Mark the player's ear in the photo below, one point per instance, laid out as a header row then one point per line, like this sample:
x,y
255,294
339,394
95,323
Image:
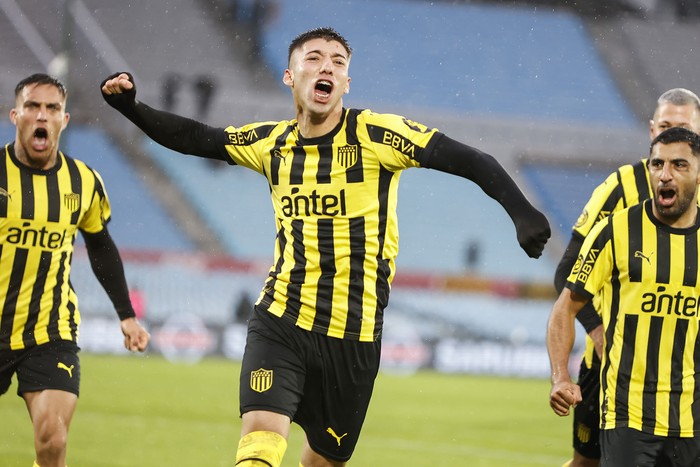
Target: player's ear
x,y
66,119
13,116
287,78
347,87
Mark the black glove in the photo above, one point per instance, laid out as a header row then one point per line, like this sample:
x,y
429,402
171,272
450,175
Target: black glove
x,y
533,231
127,98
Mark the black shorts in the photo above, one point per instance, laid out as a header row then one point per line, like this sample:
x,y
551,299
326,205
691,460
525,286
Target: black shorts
x,y
627,447
322,383
587,412
54,365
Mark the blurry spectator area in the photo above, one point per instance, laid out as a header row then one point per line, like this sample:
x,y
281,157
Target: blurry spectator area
x,y
138,221
565,187
462,58
233,201
208,286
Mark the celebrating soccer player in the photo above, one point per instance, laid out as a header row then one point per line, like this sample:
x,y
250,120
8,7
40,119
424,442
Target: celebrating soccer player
x,y
313,347
46,197
625,187
641,263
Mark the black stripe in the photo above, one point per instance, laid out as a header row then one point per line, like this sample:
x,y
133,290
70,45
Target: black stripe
x,y
663,256
269,288
11,295
325,163
324,287
382,284
610,203
53,198
634,218
296,175
651,374
355,173
276,156
53,321
610,331
35,302
27,187
76,186
356,290
676,377
640,177
298,272
690,271
622,384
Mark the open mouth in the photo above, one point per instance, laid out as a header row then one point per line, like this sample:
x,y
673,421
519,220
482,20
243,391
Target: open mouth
x,y
667,196
41,138
323,88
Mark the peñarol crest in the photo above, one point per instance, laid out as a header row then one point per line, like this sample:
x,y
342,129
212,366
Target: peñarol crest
x,y
71,201
261,380
347,156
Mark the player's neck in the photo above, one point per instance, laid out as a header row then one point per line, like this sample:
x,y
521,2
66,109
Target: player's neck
x,y
685,220
315,125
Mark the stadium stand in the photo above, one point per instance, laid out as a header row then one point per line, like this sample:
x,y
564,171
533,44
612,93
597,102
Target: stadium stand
x,y
535,87
463,58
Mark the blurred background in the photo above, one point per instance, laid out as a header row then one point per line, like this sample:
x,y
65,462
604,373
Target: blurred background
x,y
560,92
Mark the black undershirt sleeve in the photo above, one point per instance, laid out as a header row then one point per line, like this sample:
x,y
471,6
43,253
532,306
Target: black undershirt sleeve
x,y
587,316
178,133
457,158
107,266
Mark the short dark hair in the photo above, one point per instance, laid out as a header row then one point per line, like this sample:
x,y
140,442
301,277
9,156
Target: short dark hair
x,y
327,33
41,78
678,135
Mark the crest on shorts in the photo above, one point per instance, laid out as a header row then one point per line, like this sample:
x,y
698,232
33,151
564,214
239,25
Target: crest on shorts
x,y
583,433
71,201
260,380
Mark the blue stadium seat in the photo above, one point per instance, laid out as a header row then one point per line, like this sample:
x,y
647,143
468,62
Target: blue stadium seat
x,y
461,58
566,189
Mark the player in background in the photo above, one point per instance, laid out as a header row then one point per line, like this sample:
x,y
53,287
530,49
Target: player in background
x,y
625,187
314,339
642,265
46,198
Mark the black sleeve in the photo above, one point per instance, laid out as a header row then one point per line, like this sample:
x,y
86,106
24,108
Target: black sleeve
x,y
587,316
456,158
178,133
107,265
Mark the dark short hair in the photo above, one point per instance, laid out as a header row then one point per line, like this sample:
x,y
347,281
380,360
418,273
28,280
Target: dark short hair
x,y
678,135
41,78
329,34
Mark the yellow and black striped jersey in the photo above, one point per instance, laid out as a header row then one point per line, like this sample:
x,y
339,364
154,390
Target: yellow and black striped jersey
x,y
334,200
625,187
645,274
40,214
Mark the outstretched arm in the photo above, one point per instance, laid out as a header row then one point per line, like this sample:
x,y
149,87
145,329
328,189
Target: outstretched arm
x,y
453,157
107,266
172,131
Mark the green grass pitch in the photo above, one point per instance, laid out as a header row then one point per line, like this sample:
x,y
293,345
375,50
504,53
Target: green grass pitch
x,y
146,411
